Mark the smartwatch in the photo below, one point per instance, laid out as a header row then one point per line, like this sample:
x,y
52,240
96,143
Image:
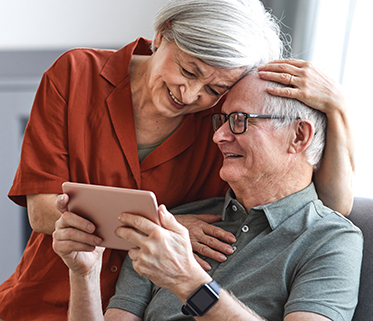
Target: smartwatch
x,y
202,300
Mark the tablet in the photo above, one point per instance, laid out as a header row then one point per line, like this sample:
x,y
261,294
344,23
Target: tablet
x,y
102,205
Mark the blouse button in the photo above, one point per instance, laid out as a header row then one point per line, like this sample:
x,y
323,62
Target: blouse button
x,y
114,268
245,228
234,208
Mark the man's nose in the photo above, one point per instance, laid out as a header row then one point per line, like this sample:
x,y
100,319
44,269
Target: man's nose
x,y
190,92
223,134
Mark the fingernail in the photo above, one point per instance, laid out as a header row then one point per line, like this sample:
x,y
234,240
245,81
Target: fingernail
x,y
229,250
232,239
222,258
90,228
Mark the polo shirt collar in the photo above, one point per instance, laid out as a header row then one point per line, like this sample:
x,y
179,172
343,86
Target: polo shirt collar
x,y
276,212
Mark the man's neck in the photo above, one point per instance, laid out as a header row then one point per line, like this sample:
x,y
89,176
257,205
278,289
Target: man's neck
x,y
267,191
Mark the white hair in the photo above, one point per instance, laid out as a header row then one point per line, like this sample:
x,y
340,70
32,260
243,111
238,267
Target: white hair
x,y
292,109
222,33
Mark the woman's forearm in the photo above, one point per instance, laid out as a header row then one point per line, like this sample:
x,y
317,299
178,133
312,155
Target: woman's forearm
x,y
42,212
334,177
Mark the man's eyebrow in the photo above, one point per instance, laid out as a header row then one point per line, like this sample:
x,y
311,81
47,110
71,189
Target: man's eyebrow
x,y
226,87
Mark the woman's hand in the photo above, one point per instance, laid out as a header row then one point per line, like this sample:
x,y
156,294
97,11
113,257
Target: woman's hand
x,y
74,242
205,237
306,83
334,177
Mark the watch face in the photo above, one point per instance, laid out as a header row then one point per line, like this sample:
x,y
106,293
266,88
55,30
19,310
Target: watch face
x,y
202,300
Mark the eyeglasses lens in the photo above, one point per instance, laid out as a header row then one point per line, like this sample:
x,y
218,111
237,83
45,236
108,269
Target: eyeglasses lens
x,y
237,122
217,121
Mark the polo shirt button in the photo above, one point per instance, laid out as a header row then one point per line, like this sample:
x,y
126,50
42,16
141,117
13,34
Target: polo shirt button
x,y
234,208
234,248
114,268
245,228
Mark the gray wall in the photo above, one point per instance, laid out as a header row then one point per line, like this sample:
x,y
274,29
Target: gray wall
x,y
298,19
19,78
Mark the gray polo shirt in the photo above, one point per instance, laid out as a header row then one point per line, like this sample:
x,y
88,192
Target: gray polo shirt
x,y
291,255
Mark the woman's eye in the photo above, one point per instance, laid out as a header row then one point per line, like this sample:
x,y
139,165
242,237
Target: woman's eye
x,y
189,74
214,92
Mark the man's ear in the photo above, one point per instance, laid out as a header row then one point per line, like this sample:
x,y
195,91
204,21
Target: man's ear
x,y
303,135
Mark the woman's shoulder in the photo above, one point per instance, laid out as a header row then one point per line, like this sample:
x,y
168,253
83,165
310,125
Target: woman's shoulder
x,y
79,59
78,67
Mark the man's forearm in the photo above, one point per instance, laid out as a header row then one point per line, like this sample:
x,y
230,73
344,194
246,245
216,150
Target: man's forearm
x,y
85,300
227,308
230,308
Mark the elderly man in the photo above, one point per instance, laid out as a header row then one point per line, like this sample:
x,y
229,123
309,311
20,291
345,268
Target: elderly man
x,y
294,259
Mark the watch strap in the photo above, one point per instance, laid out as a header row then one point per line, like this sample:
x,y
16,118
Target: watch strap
x,y
188,311
215,286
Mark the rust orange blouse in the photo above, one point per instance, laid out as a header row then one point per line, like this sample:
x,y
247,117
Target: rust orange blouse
x,y
81,129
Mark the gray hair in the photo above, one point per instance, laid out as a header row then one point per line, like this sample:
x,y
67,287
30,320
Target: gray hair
x,y
222,33
293,108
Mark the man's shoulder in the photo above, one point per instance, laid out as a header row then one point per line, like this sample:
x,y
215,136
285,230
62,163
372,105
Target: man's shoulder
x,y
330,222
208,206
327,214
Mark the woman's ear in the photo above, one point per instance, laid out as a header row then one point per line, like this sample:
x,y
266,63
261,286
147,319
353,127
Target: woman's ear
x,y
157,39
303,135
158,36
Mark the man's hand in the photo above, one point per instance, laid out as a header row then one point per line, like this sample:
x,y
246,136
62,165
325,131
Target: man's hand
x,y
205,237
164,253
74,242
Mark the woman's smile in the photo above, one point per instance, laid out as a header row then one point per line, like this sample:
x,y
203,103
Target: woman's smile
x,y
180,104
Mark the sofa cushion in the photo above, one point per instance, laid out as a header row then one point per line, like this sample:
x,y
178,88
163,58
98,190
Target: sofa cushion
x,y
362,216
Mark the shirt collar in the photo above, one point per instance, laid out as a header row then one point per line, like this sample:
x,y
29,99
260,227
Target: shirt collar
x,y
117,67
276,212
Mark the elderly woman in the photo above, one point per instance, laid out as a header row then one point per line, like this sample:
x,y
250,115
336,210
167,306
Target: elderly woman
x,y
140,118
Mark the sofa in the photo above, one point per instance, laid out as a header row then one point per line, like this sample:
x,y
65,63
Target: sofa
x,y
362,216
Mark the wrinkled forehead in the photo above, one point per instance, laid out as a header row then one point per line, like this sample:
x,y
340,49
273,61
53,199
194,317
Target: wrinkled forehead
x,y
224,77
247,95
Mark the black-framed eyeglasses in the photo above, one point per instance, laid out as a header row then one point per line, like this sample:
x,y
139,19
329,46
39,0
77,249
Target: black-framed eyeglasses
x,y
238,121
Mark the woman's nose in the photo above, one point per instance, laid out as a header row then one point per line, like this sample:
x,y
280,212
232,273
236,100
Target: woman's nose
x,y
190,93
